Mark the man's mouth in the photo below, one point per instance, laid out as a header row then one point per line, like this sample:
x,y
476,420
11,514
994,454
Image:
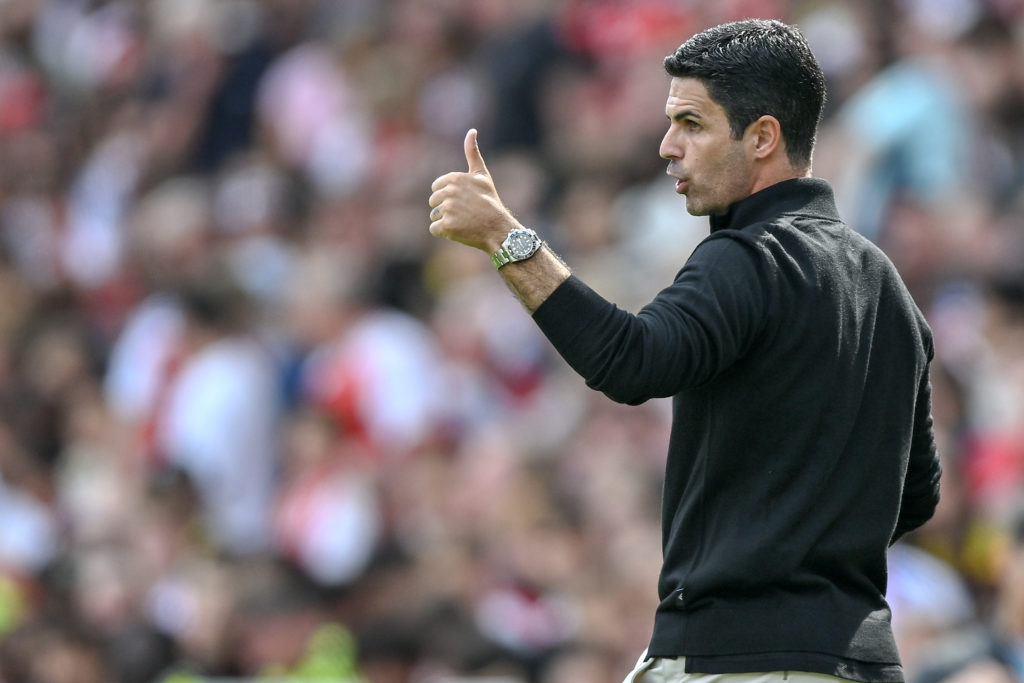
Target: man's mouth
x,y
682,182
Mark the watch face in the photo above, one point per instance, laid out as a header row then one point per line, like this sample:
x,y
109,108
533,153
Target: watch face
x,y
521,244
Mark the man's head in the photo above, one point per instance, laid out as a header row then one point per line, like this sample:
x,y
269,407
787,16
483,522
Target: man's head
x,y
755,68
744,105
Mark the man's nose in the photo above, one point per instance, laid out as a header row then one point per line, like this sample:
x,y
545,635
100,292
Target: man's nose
x,y
669,149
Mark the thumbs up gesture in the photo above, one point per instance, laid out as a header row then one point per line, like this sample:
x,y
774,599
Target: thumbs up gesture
x,y
465,207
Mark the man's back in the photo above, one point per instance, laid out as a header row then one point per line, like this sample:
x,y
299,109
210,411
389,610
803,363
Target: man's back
x,y
798,365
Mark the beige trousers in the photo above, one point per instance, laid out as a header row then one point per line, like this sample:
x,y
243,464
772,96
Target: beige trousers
x,y
659,670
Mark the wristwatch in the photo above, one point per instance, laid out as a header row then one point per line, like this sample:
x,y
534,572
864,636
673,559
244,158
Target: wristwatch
x,y
521,244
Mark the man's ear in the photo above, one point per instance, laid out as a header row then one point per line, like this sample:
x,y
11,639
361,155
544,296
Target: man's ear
x,y
765,137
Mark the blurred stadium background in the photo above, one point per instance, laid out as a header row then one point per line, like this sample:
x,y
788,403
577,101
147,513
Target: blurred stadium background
x,y
255,424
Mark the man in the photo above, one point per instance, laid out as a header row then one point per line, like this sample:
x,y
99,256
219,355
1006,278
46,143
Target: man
x,y
802,442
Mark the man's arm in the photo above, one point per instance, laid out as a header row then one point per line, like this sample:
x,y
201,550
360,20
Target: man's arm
x,y
921,485
534,279
692,330
465,208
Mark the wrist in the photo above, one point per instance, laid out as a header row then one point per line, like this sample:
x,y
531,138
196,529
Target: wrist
x,y
496,237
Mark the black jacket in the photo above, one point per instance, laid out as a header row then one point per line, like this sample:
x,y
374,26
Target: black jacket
x,y
802,442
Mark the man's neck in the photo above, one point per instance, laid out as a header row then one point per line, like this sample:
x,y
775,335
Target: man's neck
x,y
777,173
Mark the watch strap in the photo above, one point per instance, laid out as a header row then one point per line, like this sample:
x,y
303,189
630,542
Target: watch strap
x,y
501,257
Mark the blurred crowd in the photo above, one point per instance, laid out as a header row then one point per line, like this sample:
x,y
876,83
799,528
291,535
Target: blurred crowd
x,y
256,422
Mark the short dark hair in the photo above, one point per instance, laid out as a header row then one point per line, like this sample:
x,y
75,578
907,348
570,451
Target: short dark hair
x,y
756,67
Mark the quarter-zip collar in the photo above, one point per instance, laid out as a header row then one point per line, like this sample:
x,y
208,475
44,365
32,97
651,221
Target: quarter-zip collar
x,y
807,196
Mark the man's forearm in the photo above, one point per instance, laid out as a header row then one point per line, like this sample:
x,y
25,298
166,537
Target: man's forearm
x,y
534,279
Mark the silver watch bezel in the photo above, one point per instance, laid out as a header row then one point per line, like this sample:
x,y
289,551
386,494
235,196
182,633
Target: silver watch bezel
x,y
526,253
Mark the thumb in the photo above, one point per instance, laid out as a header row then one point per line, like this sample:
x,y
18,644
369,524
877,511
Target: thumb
x,y
474,159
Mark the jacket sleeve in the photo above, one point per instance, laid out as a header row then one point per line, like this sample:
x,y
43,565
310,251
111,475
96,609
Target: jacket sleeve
x,y
921,484
692,330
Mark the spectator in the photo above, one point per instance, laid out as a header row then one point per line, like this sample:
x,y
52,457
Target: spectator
x,y
994,651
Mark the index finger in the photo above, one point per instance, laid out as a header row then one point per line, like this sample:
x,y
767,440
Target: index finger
x,y
441,181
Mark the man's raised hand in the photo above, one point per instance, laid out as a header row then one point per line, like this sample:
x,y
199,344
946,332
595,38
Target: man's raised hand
x,y
465,206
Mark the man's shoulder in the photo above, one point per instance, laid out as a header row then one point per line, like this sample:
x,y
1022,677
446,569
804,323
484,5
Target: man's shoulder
x,y
730,246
